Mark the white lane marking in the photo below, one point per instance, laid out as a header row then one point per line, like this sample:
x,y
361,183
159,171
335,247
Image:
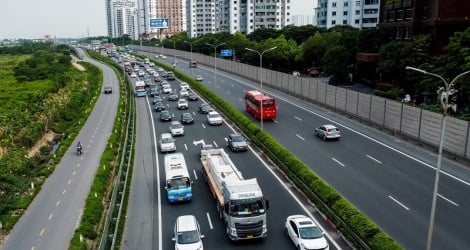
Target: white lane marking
x,y
340,163
195,175
297,118
215,144
354,131
240,99
185,147
300,137
448,200
275,121
399,203
203,126
209,220
372,158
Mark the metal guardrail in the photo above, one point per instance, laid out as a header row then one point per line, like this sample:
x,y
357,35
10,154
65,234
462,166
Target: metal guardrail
x,y
116,204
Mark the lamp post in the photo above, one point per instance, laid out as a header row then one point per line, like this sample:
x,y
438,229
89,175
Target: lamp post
x,y
191,55
444,93
215,61
260,76
174,53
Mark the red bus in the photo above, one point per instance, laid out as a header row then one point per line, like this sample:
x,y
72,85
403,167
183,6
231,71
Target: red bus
x,y
253,99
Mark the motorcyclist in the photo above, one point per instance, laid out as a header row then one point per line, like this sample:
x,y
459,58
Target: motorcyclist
x,y
79,147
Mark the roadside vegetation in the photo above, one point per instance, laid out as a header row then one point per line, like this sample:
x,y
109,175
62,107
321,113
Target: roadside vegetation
x,y
315,51
44,102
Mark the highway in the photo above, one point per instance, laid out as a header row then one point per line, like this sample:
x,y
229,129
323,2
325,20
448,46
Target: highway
x,y
51,219
388,179
150,217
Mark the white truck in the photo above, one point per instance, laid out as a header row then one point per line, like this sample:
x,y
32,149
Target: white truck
x,y
240,201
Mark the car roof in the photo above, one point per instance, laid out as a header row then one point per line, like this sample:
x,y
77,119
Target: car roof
x,y
329,126
213,113
186,223
166,135
302,220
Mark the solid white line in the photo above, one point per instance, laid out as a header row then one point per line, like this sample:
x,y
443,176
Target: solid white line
x,y
209,220
340,163
399,203
357,132
195,175
448,200
159,201
372,158
297,118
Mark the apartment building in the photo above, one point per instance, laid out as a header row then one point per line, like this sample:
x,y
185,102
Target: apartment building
x,y
401,19
356,13
147,9
122,18
211,16
175,11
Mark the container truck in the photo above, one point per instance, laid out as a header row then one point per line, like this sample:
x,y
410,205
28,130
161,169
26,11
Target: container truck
x,y
240,201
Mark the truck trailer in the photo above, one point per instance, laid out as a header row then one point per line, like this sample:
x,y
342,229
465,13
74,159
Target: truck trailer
x,y
240,201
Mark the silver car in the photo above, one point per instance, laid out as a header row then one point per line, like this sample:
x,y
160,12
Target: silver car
x,y
328,131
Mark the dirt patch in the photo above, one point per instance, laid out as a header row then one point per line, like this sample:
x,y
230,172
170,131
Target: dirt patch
x,y
47,140
77,65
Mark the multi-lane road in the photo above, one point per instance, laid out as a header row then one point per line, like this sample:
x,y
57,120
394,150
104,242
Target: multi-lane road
x,y
389,180
150,217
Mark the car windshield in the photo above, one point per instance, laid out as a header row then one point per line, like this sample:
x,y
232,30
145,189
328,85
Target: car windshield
x,y
237,138
180,183
168,140
187,116
214,115
310,233
246,207
176,126
188,237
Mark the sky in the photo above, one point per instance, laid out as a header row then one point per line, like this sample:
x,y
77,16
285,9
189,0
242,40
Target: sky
x,y
30,19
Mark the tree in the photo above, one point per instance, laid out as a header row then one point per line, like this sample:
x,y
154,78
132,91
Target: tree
x,y
261,34
335,63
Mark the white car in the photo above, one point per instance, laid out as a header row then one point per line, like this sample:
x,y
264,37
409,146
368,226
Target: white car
x,y
184,93
214,118
134,75
184,85
199,78
166,89
304,233
327,131
167,143
183,104
187,233
176,128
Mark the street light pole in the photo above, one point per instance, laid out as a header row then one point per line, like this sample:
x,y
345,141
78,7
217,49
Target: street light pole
x,y
190,65
445,93
215,62
174,54
260,69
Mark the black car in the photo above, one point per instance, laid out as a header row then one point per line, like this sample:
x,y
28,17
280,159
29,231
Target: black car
x,y
236,142
165,115
205,108
157,99
164,74
159,106
153,92
187,118
192,96
173,97
108,90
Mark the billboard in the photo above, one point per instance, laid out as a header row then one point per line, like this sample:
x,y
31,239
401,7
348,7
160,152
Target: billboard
x,y
226,52
159,23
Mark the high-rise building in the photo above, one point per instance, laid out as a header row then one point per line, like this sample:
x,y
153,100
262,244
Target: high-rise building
x,y
211,16
122,18
147,9
175,12
440,18
356,13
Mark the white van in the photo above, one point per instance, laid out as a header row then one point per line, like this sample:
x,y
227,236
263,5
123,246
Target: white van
x,y
167,143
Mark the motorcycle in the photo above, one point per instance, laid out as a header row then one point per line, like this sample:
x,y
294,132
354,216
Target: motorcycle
x,y
79,150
